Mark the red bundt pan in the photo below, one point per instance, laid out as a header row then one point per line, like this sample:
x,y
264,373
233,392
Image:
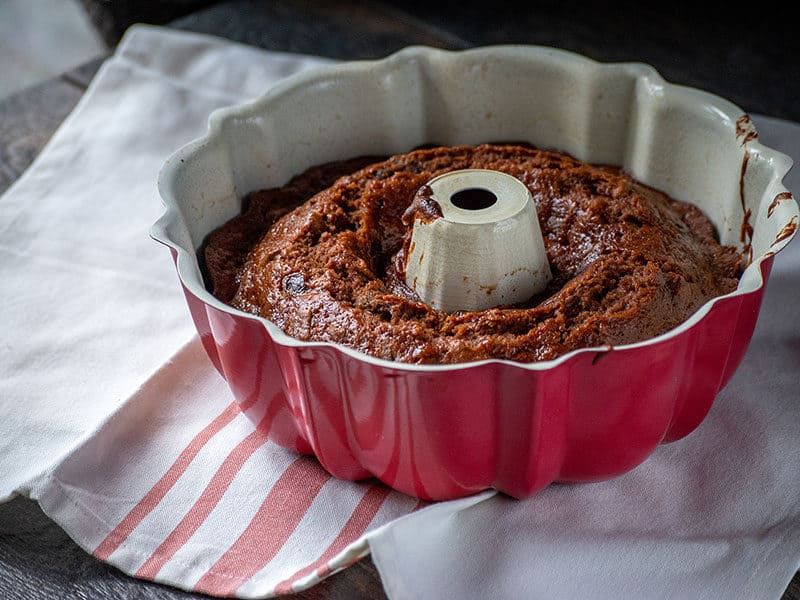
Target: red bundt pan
x,y
445,431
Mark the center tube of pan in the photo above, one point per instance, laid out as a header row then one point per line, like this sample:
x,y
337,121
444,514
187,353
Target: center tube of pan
x,y
476,242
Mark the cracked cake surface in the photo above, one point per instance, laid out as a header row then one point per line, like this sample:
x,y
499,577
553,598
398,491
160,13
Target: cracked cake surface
x,y
322,257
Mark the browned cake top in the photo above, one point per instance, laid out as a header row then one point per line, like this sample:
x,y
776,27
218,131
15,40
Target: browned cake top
x,y
321,258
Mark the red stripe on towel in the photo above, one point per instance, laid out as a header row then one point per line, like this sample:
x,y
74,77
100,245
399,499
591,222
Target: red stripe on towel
x,y
358,522
208,500
145,506
276,519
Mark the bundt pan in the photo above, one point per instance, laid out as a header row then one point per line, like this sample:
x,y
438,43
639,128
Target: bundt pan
x,y
445,431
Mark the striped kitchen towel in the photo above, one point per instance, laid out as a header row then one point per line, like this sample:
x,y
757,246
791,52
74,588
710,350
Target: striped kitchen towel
x,y
181,486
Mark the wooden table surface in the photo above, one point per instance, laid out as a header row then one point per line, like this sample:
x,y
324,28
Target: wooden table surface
x,y
749,58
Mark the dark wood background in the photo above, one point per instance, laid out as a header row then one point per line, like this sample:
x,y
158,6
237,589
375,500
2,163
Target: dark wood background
x,y
748,56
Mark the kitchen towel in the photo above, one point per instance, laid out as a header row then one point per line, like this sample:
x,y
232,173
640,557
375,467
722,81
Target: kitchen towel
x,y
116,423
